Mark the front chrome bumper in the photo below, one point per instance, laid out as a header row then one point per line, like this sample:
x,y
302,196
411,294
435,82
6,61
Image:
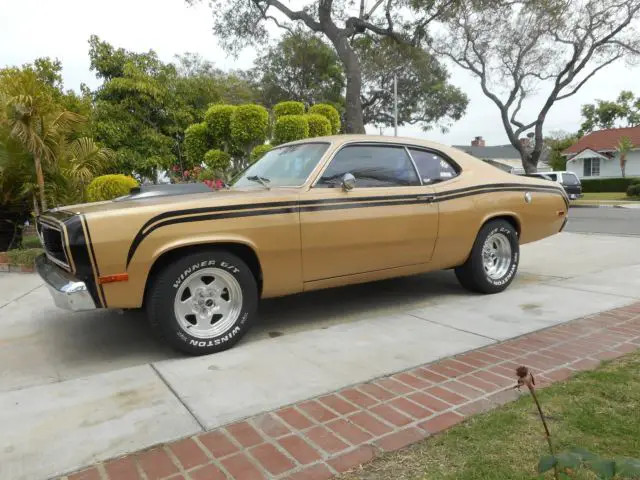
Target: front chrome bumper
x,y
67,292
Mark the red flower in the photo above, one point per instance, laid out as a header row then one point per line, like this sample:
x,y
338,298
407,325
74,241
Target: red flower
x,y
185,174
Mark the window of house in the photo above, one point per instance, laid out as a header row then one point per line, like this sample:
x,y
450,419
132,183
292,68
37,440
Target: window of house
x,y
372,165
591,167
432,167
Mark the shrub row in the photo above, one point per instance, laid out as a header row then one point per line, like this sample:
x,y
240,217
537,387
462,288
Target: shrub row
x,y
597,185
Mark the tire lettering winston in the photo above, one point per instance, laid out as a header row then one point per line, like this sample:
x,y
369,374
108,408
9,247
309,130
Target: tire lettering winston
x,y
217,341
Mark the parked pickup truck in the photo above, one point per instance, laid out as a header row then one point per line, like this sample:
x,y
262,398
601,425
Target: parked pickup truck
x,y
569,181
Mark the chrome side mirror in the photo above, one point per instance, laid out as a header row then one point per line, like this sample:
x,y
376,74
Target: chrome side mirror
x,y
348,182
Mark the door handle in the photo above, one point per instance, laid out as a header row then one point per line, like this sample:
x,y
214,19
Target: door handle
x,y
426,198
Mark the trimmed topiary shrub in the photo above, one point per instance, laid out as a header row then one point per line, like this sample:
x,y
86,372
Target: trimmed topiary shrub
x,y
290,128
288,108
259,152
596,185
217,160
319,126
249,125
108,187
218,120
196,142
330,113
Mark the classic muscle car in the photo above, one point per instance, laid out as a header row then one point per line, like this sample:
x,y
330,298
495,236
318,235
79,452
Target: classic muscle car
x,y
311,214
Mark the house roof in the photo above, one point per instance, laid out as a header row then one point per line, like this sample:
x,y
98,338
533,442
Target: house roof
x,y
604,140
507,152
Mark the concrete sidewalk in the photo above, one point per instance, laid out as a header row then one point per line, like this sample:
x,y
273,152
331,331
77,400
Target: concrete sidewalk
x,y
78,389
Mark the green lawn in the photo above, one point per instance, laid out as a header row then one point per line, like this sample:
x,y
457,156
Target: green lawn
x,y
597,410
612,196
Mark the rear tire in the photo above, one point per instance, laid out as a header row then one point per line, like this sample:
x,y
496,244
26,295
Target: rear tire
x,y
494,258
204,302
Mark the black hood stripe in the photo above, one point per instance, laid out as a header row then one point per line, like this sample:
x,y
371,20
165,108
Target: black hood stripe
x,y
277,208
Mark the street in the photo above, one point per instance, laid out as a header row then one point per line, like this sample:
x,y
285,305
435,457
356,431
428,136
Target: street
x,y
612,221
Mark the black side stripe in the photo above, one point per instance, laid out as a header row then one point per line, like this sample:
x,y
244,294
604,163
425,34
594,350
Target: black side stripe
x,y
254,206
251,210
95,261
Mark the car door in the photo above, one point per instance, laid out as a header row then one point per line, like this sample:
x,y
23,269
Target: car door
x,y
387,220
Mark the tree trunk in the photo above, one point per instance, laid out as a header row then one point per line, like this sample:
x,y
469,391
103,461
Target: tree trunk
x,y
528,163
353,115
40,178
36,208
623,165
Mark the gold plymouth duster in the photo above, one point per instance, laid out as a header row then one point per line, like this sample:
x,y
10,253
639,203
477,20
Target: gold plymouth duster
x,y
311,214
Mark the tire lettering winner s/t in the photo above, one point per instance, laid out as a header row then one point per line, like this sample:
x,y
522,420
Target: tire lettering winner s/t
x,y
203,302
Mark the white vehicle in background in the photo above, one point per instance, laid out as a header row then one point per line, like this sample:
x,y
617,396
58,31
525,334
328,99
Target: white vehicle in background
x,y
569,181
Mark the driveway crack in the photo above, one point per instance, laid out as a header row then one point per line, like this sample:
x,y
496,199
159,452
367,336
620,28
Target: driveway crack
x,y
21,296
453,328
164,380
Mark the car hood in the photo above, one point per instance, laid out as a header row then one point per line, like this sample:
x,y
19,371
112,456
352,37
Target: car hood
x,y
182,201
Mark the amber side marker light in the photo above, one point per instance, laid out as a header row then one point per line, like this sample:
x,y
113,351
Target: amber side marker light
x,y
120,277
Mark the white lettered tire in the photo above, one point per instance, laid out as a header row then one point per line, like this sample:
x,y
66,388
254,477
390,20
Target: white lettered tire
x,y
204,302
494,258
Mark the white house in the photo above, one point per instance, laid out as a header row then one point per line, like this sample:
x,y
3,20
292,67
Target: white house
x,y
594,155
504,157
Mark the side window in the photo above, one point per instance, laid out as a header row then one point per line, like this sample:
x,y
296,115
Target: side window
x,y
373,166
552,176
432,167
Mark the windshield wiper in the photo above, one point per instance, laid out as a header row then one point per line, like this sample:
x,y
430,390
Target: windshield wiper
x,y
264,181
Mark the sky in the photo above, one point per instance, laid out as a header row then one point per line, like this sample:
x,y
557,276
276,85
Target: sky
x,y
36,28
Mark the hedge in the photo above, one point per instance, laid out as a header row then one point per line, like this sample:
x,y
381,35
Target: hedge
x,y
249,125
290,128
596,185
288,108
218,120
217,160
330,113
108,187
319,126
259,152
196,142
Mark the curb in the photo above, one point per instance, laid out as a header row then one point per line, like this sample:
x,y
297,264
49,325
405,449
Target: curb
x,y
320,437
8,268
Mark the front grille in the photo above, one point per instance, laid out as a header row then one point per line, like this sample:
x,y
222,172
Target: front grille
x,y
53,244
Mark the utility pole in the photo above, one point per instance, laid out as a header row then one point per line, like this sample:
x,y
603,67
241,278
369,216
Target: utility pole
x,y
395,104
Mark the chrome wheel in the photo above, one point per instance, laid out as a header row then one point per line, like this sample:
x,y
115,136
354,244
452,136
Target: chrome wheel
x,y
208,303
496,255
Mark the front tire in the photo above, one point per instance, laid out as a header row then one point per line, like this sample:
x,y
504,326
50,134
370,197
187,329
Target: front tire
x,y
494,258
204,302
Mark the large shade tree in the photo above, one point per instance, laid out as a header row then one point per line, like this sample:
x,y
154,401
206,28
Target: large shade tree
x,y
300,67
242,23
516,48
305,68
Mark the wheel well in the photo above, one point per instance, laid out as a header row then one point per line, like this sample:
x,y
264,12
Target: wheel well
x,y
507,218
246,253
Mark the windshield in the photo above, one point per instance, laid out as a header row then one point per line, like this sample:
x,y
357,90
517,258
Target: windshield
x,y
283,166
570,179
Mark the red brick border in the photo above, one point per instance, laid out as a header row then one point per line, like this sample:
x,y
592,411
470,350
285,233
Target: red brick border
x,y
318,438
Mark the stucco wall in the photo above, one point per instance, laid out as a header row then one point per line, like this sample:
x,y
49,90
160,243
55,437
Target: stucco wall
x,y
609,168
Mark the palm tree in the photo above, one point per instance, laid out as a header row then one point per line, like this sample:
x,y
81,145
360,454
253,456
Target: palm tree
x,y
624,146
35,121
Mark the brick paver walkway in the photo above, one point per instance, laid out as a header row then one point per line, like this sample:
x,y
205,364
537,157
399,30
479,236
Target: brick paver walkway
x,y
318,438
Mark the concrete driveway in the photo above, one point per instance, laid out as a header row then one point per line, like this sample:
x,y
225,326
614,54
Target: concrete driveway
x,y
79,388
